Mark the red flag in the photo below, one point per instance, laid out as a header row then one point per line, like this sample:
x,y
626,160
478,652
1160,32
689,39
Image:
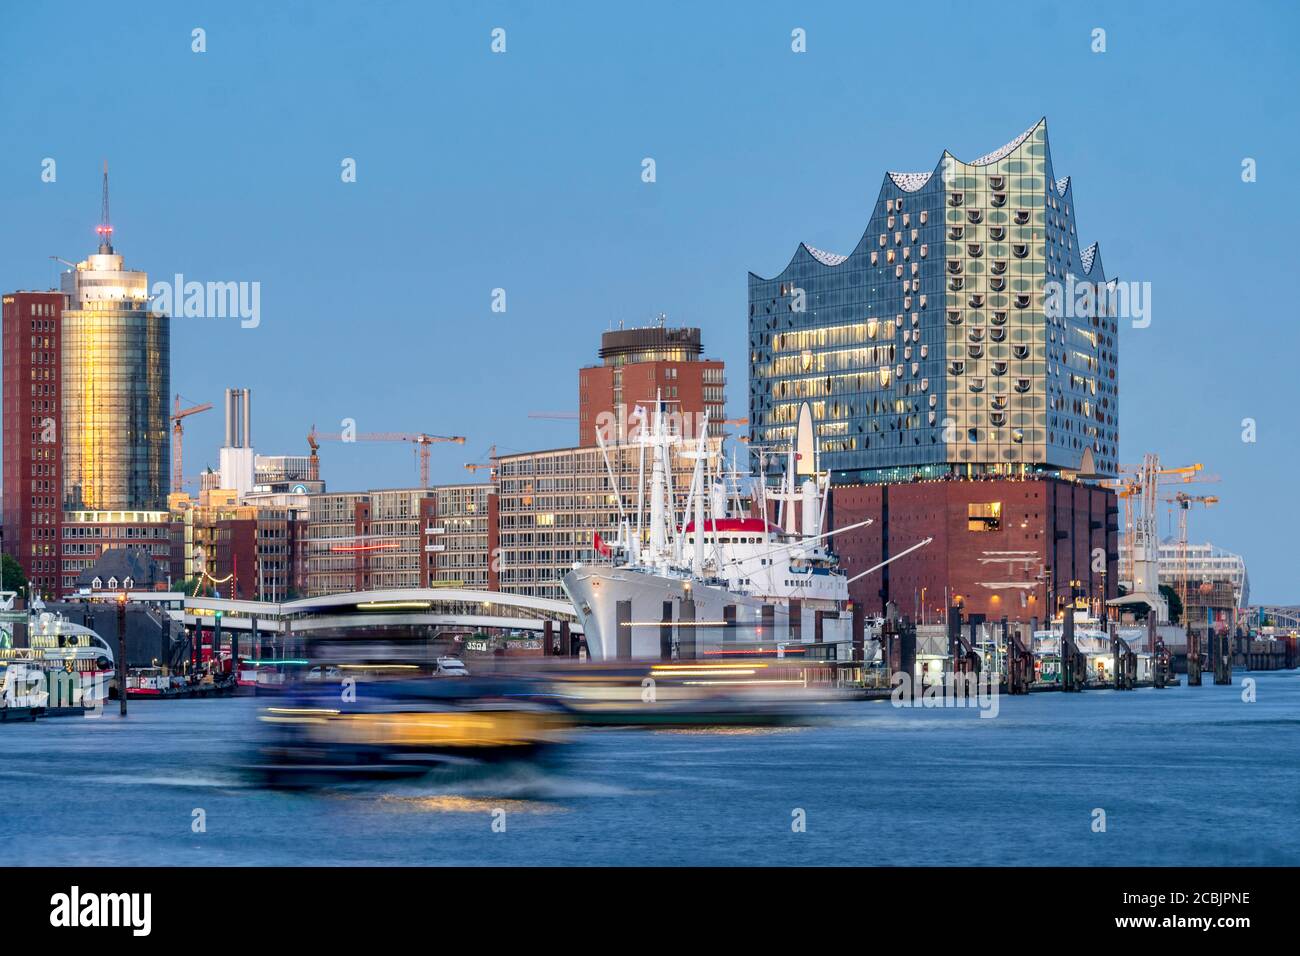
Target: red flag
x,y
601,547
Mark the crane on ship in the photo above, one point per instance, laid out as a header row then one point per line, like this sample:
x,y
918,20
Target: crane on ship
x,y
178,431
421,440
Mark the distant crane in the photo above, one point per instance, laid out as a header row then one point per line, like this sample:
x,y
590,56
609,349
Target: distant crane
x,y
1138,488
1184,502
178,431
421,440
491,463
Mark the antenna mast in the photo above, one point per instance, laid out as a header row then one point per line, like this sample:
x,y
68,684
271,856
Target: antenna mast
x,y
105,229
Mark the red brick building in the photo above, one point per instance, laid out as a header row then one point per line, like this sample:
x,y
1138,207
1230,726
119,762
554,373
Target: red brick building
x,y
637,365
1014,548
33,432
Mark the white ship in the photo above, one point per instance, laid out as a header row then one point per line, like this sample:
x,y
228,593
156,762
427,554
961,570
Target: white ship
x,y
80,661
717,578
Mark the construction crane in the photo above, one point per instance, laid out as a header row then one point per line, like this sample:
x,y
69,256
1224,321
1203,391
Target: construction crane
x,y
1138,487
313,461
421,440
1184,502
178,432
491,463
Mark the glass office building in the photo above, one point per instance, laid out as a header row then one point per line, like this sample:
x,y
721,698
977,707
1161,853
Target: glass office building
x,y
943,344
116,377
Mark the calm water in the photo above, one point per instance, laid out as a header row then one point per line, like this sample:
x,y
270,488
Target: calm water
x,y
1186,776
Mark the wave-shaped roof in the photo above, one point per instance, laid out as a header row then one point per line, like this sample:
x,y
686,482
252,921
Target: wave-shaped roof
x,y
1004,151
1087,256
910,182
825,258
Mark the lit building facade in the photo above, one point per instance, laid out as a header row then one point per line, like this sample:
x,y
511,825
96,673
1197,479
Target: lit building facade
x,y
1002,547
250,552
116,369
329,546
459,527
552,504
1206,564
639,364
935,347
287,474
32,421
400,538
85,535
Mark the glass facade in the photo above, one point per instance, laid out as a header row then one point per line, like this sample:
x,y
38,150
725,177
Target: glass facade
x,y
933,347
116,378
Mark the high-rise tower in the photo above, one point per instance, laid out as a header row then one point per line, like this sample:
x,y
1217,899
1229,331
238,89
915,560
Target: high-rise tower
x,y
116,378
33,435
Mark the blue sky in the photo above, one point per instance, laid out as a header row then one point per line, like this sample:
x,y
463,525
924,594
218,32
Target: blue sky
x,y
522,171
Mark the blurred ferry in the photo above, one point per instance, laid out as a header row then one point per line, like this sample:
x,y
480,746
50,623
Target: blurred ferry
x,y
754,586
387,729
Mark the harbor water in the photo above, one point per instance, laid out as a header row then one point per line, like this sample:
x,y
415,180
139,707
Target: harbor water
x,y
1182,775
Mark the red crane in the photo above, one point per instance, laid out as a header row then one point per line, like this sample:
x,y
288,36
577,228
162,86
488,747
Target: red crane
x,y
177,435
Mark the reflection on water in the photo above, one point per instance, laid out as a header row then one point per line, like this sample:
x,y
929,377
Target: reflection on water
x,y
451,803
729,731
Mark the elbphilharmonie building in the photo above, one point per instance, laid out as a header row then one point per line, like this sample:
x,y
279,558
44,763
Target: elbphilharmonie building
x,y
936,346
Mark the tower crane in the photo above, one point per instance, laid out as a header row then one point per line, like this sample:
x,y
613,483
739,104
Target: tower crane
x,y
178,432
1138,487
491,463
1184,502
421,440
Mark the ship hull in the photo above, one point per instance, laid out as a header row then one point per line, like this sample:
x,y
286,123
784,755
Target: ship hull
x,y
631,614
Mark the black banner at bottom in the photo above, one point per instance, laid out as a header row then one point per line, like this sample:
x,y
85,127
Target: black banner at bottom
x,y
330,906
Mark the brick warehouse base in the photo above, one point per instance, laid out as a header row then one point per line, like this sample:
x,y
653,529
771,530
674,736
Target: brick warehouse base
x,y
1069,528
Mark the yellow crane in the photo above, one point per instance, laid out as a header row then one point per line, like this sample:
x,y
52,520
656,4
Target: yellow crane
x,y
1138,488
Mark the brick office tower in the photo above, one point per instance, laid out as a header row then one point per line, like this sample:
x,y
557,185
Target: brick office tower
x,y
33,433
1019,549
637,365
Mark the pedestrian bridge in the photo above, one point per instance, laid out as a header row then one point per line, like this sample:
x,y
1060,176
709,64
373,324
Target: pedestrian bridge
x,y
451,609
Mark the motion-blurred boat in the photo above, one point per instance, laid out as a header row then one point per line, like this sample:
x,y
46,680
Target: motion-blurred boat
x,y
393,729
727,693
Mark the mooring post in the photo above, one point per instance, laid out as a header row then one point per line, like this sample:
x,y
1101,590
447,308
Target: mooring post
x,y
121,652
859,624
1222,658
686,628
1069,654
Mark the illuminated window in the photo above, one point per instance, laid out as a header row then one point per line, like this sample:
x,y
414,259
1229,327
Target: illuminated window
x,y
984,516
